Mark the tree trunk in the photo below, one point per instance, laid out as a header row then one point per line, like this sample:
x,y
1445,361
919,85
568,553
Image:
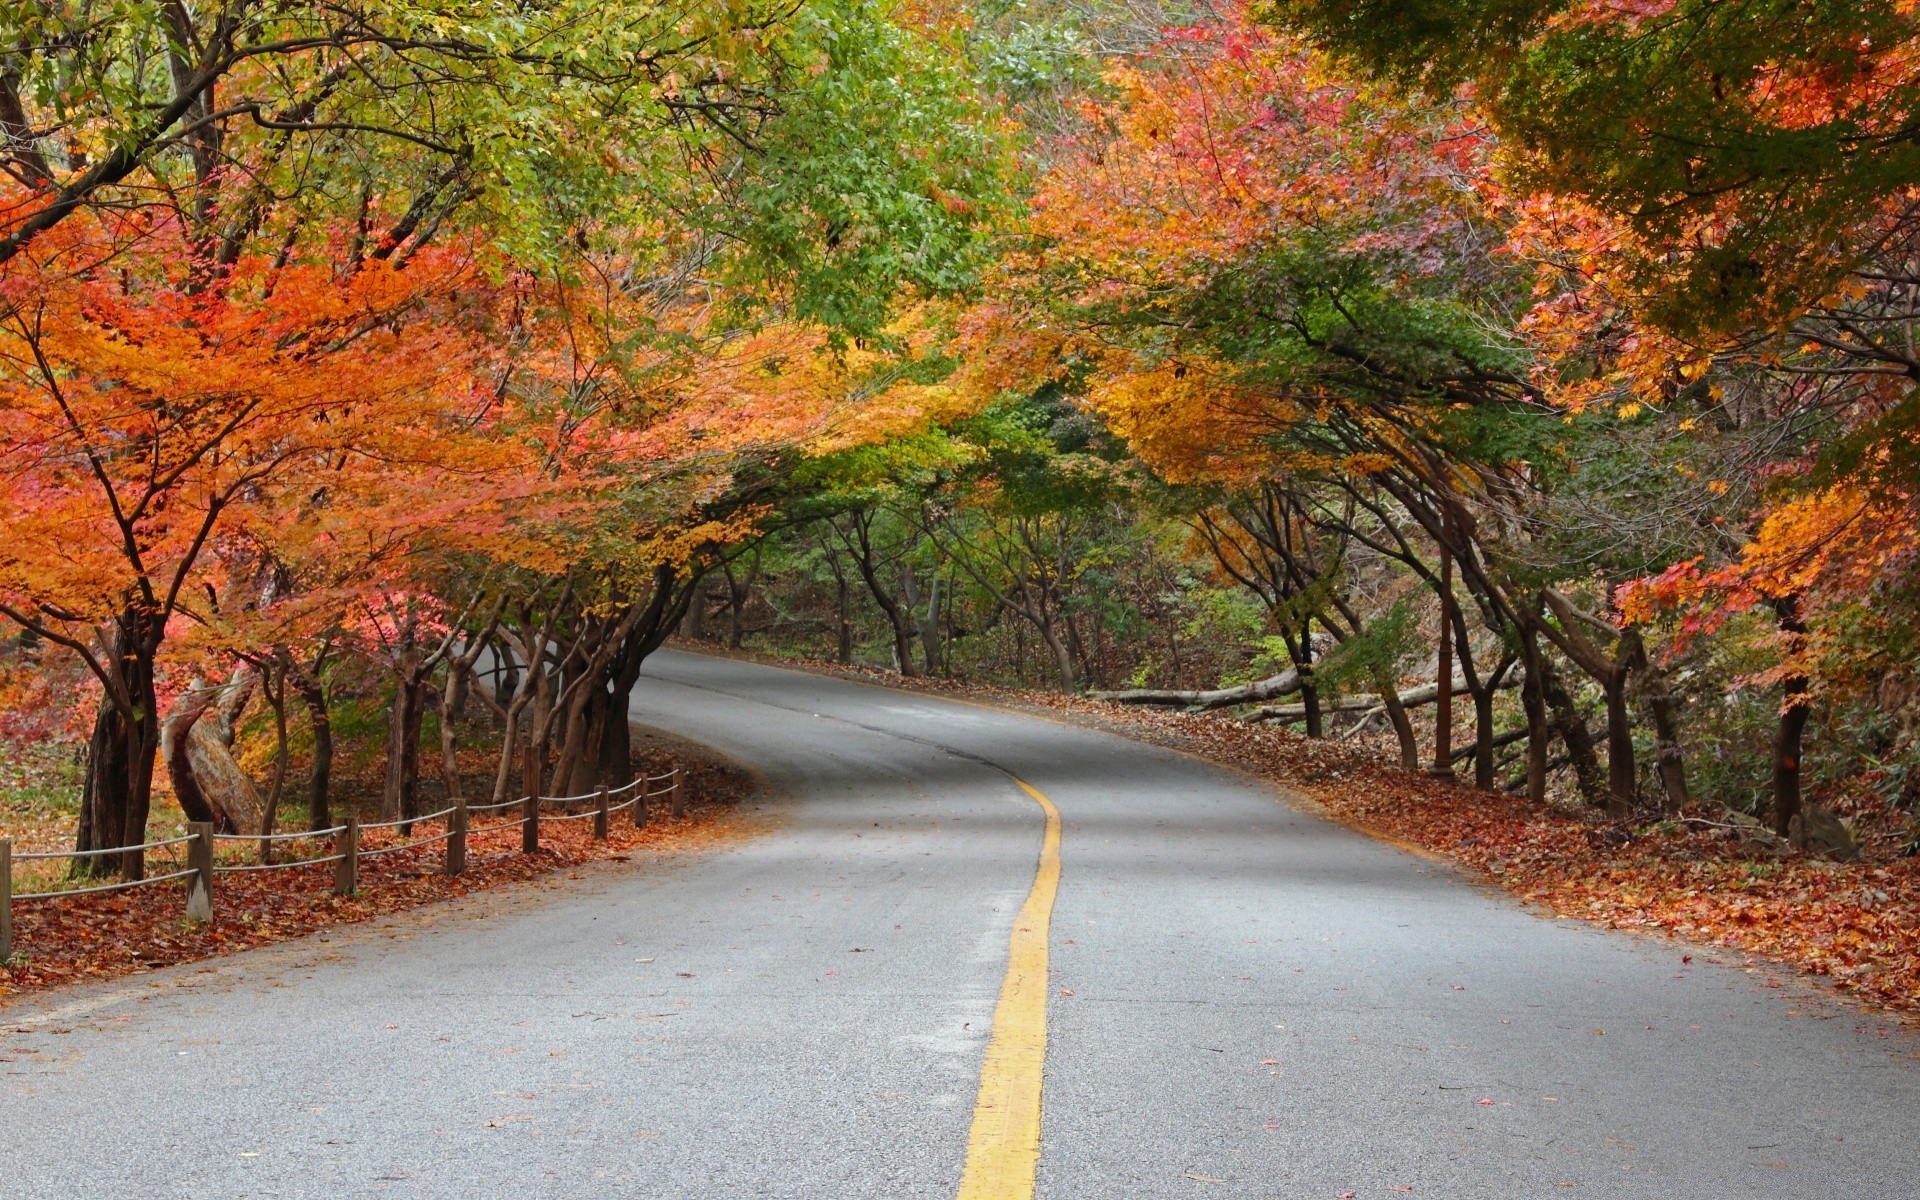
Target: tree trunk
x,y
532,760
616,740
1669,760
568,777
145,745
926,620
1402,724
1787,736
410,759
275,689
739,594
1786,754
106,796
1622,784
1062,657
1443,700
897,619
320,782
1533,701
693,624
1301,651
118,792
1483,739
505,674
844,651
176,733
450,698
399,797
1574,735
509,739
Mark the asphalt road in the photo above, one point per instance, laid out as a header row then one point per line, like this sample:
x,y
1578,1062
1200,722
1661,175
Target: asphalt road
x,y
1244,1001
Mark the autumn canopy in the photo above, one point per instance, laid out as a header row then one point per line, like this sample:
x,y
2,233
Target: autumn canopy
x,y
379,376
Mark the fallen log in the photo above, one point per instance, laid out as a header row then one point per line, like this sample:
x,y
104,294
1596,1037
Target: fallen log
x,y
1426,693
1272,687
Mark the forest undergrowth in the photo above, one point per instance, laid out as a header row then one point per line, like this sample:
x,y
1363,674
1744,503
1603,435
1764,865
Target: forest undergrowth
x,y
116,934
1697,880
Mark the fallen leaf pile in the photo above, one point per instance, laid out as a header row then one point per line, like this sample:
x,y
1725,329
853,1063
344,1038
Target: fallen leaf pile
x,y
1856,924
109,934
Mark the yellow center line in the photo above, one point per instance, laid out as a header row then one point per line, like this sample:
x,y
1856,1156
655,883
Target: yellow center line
x,y
1003,1150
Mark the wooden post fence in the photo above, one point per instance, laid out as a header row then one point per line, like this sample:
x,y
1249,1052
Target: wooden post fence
x,y
346,869
530,826
200,862
457,837
6,900
600,814
676,797
640,800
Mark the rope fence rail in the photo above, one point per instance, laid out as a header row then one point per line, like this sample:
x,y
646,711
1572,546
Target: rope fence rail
x,y
42,855
203,864
276,837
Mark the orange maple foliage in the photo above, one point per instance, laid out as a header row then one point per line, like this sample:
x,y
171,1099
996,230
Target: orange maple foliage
x,y
1227,142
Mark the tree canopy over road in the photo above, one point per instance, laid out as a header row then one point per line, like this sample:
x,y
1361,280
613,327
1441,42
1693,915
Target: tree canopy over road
x,y
1317,363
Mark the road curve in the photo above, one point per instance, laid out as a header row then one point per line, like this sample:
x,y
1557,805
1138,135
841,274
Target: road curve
x,y
1242,1001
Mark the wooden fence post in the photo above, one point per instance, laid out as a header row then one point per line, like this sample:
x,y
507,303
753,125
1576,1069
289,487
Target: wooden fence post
x,y
346,871
600,813
457,837
200,883
676,798
530,826
640,800
6,900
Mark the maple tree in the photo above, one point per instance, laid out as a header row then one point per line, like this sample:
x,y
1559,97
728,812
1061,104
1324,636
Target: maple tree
x,y
296,413
1440,339
1327,360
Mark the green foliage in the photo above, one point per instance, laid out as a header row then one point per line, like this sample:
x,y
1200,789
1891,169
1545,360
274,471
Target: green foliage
x,y
1380,650
880,174
1770,118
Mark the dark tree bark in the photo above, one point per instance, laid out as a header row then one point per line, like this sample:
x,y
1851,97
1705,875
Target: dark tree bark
x,y
1533,700
1398,718
1300,651
1788,734
104,799
1623,785
1573,733
1655,693
319,783
739,593
858,539
399,794
118,793
1483,739
843,600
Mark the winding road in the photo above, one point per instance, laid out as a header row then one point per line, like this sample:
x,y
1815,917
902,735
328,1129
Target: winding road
x,y
1219,995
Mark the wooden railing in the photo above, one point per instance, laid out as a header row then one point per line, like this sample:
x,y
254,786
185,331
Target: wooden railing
x,y
343,846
